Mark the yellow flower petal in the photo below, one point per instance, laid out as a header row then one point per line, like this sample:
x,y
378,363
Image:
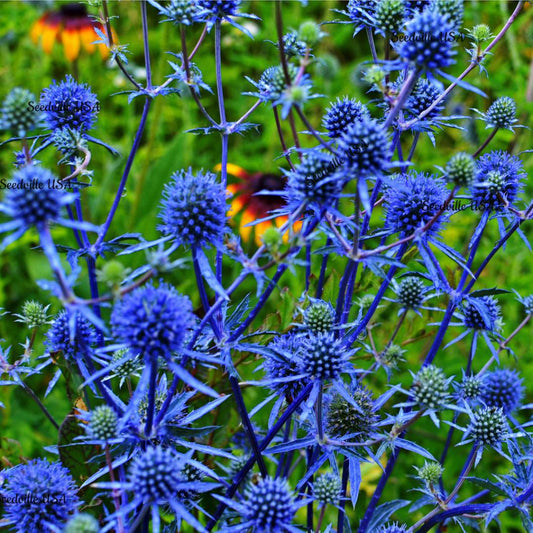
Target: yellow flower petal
x,y
71,43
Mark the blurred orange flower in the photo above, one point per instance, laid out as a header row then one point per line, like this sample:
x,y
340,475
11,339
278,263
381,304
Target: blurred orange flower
x,y
72,26
251,206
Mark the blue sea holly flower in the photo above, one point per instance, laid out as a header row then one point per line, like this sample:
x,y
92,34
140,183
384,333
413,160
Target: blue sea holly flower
x,y
32,199
424,93
502,388
412,201
69,104
72,334
327,489
273,83
341,114
153,321
16,115
361,13
389,16
193,211
269,507
498,180
184,12
452,9
212,11
365,147
482,314
426,44
41,496
501,114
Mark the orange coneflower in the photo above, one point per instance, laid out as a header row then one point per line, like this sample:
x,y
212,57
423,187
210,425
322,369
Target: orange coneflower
x,y
255,207
72,26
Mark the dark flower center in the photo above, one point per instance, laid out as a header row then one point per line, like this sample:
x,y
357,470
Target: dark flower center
x,y
73,10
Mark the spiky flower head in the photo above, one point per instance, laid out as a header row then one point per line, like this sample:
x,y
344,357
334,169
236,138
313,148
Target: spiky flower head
x,y
343,418
480,33
129,367
322,356
34,314
424,93
285,363
82,523
68,141
341,113
389,15
70,333
393,355
155,474
423,46
488,426
365,145
27,484
470,388
316,179
481,313
498,180
410,292
319,317
430,472
220,8
452,9
501,114
460,170
31,198
153,321
430,387
194,209
102,423
412,201
184,12
502,388
392,528
293,46
272,83
309,33
269,505
361,13
69,104
16,114
327,488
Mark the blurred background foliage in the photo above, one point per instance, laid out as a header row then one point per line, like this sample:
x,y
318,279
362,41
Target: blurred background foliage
x,y
166,147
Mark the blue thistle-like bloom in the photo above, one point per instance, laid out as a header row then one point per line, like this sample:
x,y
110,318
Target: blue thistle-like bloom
x,y
269,506
220,8
184,12
194,209
502,388
31,200
424,93
41,495
293,46
327,488
322,356
488,426
319,317
424,46
341,114
482,313
285,364
361,13
411,292
272,83
71,334
15,114
412,201
498,179
501,114
366,147
102,423
430,387
70,104
317,178
527,302
156,476
389,15
153,321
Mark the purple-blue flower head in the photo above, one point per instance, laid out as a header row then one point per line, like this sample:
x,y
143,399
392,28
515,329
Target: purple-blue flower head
x,y
482,313
153,321
361,13
365,146
498,180
502,388
194,209
31,199
69,104
427,44
71,334
341,114
424,93
412,201
41,495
